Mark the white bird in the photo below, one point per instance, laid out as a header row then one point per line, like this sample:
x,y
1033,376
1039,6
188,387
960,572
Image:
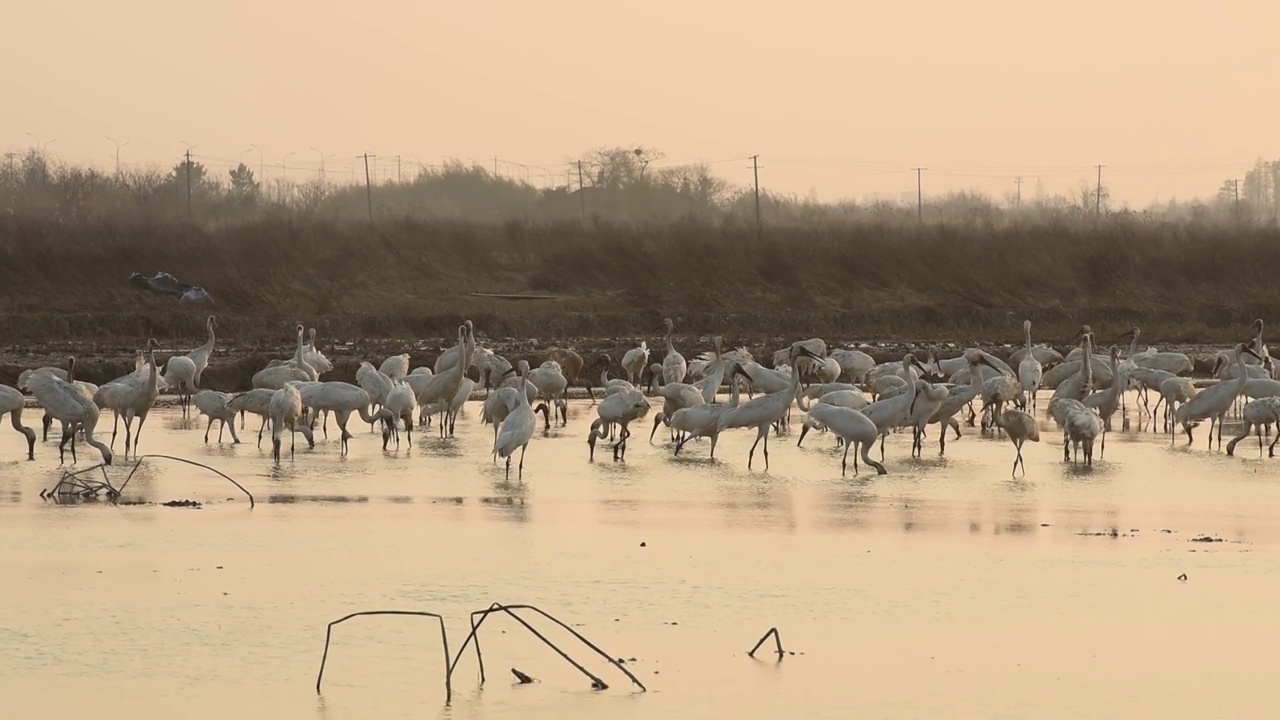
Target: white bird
x,y
675,396
1079,385
1045,355
610,385
375,382
258,402
1107,402
1257,414
216,406
1029,371
1082,428
396,366
399,406
68,404
674,366
621,409
816,346
285,410
180,376
928,401
853,428
503,400
451,409
827,370
960,396
1173,392
492,367
1020,426
704,420
762,412
634,361
11,404
1214,402
854,363
134,396
313,356
440,390
551,383
182,372
340,398
712,378
517,427
277,376
449,358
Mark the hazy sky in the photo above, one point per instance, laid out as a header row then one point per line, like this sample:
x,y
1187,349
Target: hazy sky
x,y
837,97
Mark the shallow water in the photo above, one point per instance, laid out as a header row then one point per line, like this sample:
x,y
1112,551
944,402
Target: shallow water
x,y
945,588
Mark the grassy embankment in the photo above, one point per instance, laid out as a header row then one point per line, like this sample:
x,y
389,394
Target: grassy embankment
x,y
64,284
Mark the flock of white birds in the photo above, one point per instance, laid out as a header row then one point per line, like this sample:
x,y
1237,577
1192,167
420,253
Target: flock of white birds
x,y
843,392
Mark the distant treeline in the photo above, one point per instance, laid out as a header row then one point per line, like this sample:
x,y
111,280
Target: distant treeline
x,y
617,186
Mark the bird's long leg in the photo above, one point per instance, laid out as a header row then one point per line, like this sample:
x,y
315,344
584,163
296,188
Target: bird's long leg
x,y
293,436
752,454
1221,418
62,446
260,429
882,437
765,435
844,460
522,449
206,431
46,422
137,437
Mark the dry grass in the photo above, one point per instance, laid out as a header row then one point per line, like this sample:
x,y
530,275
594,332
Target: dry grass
x,y
66,280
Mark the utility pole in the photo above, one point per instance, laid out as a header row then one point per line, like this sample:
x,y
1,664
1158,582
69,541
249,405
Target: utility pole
x,y
919,194
398,178
118,146
188,174
368,189
582,197
1235,183
1017,198
262,173
1097,198
755,172
495,166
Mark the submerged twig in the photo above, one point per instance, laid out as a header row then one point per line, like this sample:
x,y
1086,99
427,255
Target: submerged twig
x,y
444,639
777,640
596,682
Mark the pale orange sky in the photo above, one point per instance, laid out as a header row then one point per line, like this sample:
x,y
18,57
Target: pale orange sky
x,y
837,97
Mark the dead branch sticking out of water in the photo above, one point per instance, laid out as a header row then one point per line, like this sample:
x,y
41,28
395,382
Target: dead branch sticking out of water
x,y
76,484
777,640
444,639
473,637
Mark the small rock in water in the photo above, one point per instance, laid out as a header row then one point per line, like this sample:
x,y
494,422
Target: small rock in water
x,y
1183,577
643,544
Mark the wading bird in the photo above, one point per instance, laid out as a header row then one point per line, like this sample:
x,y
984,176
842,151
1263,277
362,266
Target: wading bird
x,y
216,406
619,409
68,404
762,412
11,404
517,429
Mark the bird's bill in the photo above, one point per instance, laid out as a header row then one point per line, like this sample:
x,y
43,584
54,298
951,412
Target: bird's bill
x,y
737,370
1129,334
660,328
1251,352
802,350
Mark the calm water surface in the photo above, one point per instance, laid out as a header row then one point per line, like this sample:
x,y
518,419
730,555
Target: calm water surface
x,y
945,589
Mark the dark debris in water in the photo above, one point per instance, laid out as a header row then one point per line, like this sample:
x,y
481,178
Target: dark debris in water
x,y
193,504
1183,577
1207,539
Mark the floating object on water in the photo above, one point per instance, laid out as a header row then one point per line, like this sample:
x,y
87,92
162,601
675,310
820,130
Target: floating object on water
x,y
524,679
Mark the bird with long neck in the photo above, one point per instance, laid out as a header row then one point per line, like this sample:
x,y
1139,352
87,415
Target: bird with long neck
x,y
762,412
202,354
300,358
